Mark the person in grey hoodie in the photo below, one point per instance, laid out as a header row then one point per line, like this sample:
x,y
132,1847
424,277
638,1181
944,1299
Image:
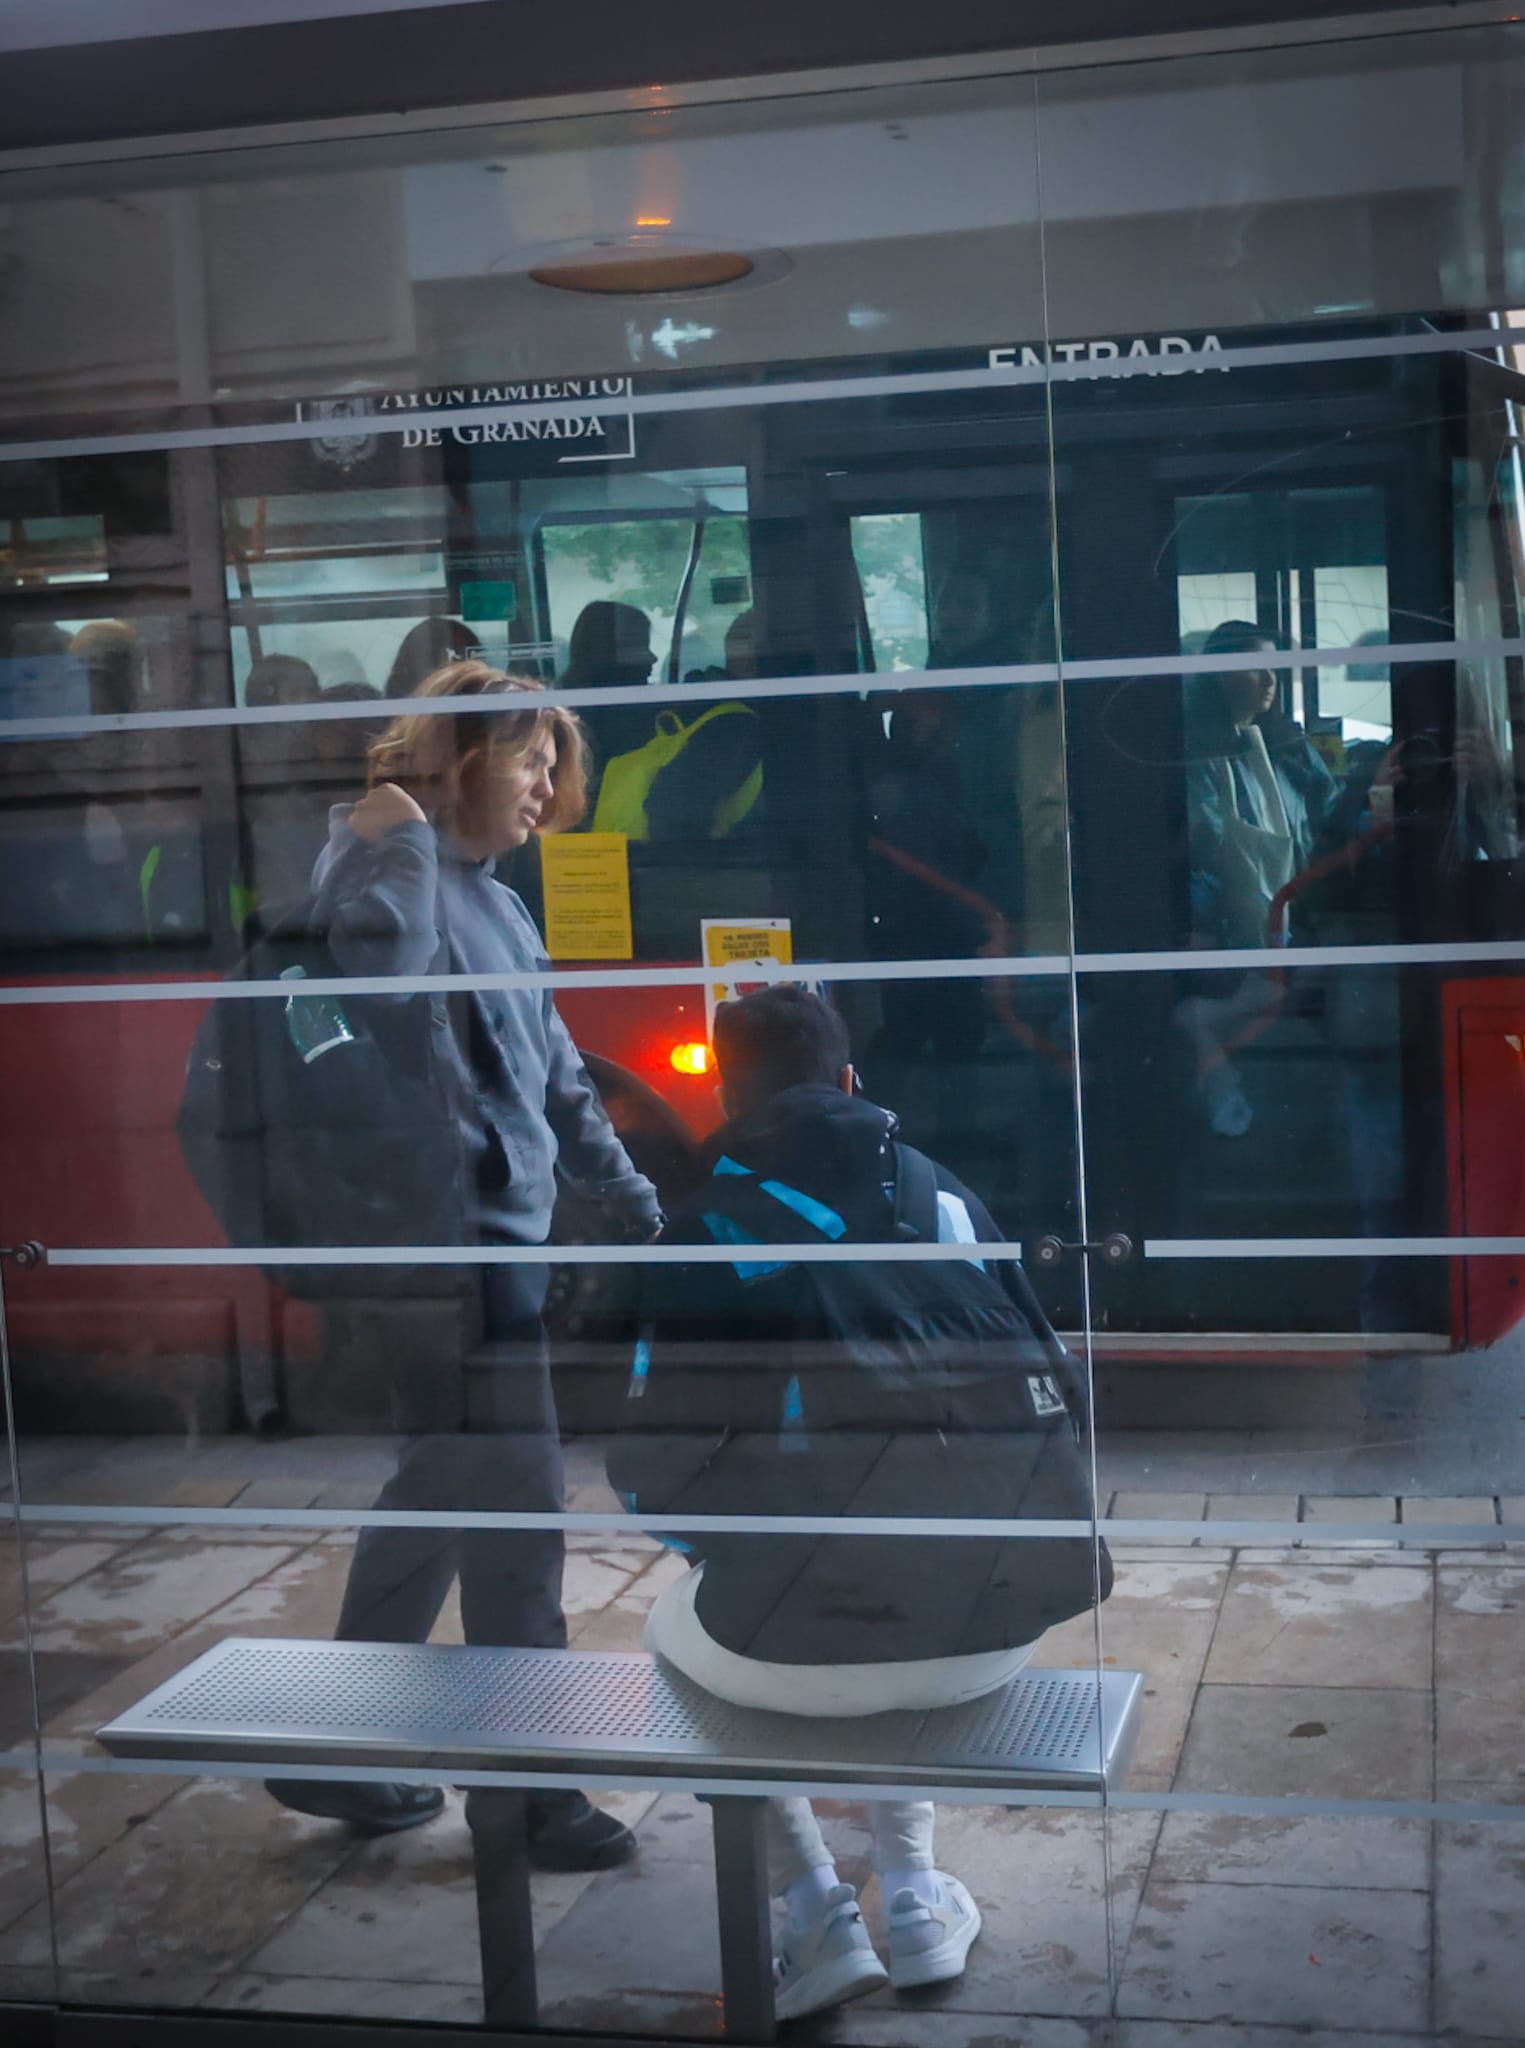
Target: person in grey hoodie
x,y
405,886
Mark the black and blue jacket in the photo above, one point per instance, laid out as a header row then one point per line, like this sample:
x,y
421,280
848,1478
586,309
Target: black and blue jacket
x,y
932,1389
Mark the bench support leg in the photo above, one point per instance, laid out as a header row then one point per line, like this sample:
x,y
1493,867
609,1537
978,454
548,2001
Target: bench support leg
x,y
505,1927
746,1931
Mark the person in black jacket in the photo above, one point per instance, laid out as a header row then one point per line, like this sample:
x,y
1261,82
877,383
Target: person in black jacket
x,y
775,1386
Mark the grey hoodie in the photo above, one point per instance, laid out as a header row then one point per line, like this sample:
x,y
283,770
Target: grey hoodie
x,y
413,903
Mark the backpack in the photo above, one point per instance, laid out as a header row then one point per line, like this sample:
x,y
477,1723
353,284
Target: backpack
x,y
353,1144
903,1390
628,779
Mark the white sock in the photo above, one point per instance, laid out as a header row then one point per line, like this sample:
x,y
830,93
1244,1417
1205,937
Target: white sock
x,y
805,1899
923,1882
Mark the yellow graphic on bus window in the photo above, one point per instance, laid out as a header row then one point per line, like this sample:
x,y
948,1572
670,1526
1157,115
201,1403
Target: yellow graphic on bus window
x,y
586,878
726,943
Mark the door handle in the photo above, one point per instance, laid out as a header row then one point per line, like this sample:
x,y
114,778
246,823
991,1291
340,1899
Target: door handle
x,y
1116,1249
25,1256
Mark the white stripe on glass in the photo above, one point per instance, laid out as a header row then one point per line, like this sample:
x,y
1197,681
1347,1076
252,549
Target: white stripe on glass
x,y
795,391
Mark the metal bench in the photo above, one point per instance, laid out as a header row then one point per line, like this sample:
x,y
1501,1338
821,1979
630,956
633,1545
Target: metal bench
x,y
406,1708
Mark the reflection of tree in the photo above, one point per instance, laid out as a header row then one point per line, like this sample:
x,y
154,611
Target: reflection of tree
x,y
887,548
641,562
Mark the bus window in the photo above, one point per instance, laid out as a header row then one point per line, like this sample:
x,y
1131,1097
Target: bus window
x,y
634,562
720,594
334,580
1309,568
48,554
887,547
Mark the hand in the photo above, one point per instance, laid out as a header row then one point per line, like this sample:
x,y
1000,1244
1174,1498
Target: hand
x,y
380,809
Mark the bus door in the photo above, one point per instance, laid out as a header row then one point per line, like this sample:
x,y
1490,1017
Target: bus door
x,y
947,567
1268,1102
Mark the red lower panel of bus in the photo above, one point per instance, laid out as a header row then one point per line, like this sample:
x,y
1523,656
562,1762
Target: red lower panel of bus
x,y
1485,1141
88,1095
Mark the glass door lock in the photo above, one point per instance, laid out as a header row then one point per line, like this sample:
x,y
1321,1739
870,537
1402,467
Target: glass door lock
x,y
1115,1250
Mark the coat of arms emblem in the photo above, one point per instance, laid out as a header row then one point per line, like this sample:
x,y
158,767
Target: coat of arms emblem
x,y
345,450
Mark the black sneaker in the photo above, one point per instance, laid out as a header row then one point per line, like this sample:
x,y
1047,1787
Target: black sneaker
x,y
369,1809
568,1832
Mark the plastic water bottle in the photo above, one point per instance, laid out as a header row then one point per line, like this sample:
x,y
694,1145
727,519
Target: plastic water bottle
x,y
315,1024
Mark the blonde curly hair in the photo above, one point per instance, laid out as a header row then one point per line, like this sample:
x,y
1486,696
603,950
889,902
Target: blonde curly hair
x,y
440,758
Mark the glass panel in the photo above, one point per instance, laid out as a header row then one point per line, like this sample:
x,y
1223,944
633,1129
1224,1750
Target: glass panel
x,y
789,608
26,1972
1295,874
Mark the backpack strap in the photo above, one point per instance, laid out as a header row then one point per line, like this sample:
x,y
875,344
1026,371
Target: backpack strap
x,y
916,1214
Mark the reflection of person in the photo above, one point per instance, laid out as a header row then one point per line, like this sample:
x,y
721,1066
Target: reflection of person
x,y
927,857
1256,795
757,1355
983,730
712,784
610,646
1449,818
425,648
281,679
405,886
114,661
963,634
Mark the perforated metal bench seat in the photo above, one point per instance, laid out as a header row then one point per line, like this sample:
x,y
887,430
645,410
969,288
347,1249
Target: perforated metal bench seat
x,y
404,1707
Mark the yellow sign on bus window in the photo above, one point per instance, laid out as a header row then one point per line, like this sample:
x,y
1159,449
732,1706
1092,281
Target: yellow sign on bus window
x,y
730,943
586,876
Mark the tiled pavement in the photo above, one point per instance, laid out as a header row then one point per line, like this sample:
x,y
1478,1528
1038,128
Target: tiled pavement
x,y
1329,1672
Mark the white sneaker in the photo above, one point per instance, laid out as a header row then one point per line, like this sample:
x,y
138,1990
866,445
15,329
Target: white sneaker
x,y
929,1944
831,1962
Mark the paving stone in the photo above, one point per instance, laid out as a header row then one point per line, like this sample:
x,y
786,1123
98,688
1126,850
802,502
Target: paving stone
x,y
666,1569
89,1810
347,1494
1480,1674
1159,1621
279,1493
53,1563
1479,1927
402,1908
204,1493
23,1877
588,1583
1350,1507
22,1984
1436,1511
1137,1550
1040,1877
1373,1507
1481,1792
193,1890
364,1998
1232,1848
1424,1510
1294,1955
1323,1624
914,2026
1158,1507
1190,2034
300,1597
1384,1555
146,1593
619,1626
648,1928
1252,1507
149,1984
1331,1742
